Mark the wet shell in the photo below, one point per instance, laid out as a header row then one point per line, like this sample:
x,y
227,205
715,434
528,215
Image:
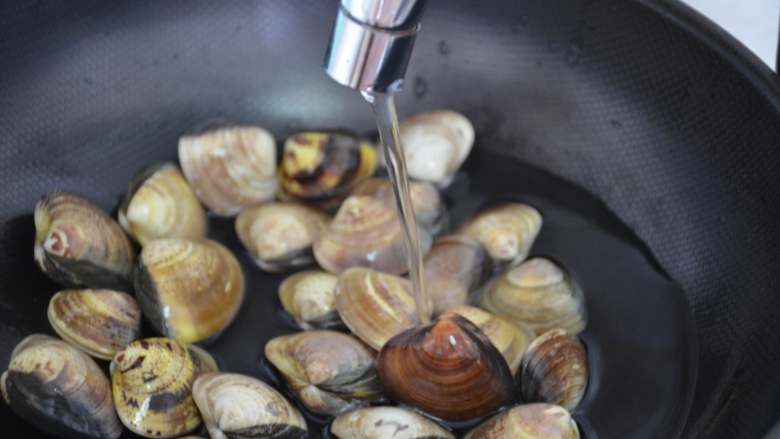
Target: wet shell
x,y
323,167
375,306
330,372
539,294
238,406
365,233
152,385
449,369
310,298
530,421
429,209
436,144
510,339
279,236
554,370
455,268
230,168
99,322
160,204
386,422
77,244
188,290
507,231
59,389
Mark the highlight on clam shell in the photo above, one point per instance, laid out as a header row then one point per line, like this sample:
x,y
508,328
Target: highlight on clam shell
x,y
59,389
99,322
448,369
239,406
77,244
507,231
161,204
365,233
386,422
429,208
554,370
188,290
230,168
528,421
330,372
310,299
455,268
279,236
152,386
540,294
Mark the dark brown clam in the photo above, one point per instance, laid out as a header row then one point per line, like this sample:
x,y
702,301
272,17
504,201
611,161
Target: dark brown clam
x,y
449,369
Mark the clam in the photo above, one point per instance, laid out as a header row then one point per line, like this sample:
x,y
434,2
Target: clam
x,y
77,244
436,144
188,290
448,368
365,233
310,298
279,236
375,306
322,167
427,203
554,370
510,339
330,372
238,406
230,168
160,204
152,386
530,421
386,422
507,231
539,294
59,389
99,322
455,268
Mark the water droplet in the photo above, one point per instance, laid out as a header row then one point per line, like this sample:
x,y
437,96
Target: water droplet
x,y
539,63
616,123
420,87
444,48
573,53
553,46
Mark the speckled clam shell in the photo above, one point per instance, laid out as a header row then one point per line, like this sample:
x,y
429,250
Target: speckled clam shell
x,y
386,422
310,298
529,421
429,208
455,269
507,231
99,322
230,168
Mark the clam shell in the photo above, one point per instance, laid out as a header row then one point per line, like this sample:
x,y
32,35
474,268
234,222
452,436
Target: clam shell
x,y
455,268
436,144
234,405
449,369
99,322
375,306
188,290
429,209
152,385
77,244
279,236
386,422
365,233
330,372
507,231
554,370
59,389
160,204
529,421
230,168
539,294
310,298
511,340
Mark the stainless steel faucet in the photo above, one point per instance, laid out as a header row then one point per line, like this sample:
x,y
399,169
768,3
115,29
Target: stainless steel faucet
x,y
371,43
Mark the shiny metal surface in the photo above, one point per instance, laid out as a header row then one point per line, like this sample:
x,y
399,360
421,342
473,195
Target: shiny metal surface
x,y
388,14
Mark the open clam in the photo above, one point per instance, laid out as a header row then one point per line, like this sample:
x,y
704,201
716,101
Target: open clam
x,y
530,421
160,204
188,290
554,370
99,322
310,298
386,422
540,294
238,406
279,236
507,231
77,244
330,372
427,203
455,268
59,389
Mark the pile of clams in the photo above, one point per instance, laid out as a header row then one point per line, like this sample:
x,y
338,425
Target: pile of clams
x,y
501,355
